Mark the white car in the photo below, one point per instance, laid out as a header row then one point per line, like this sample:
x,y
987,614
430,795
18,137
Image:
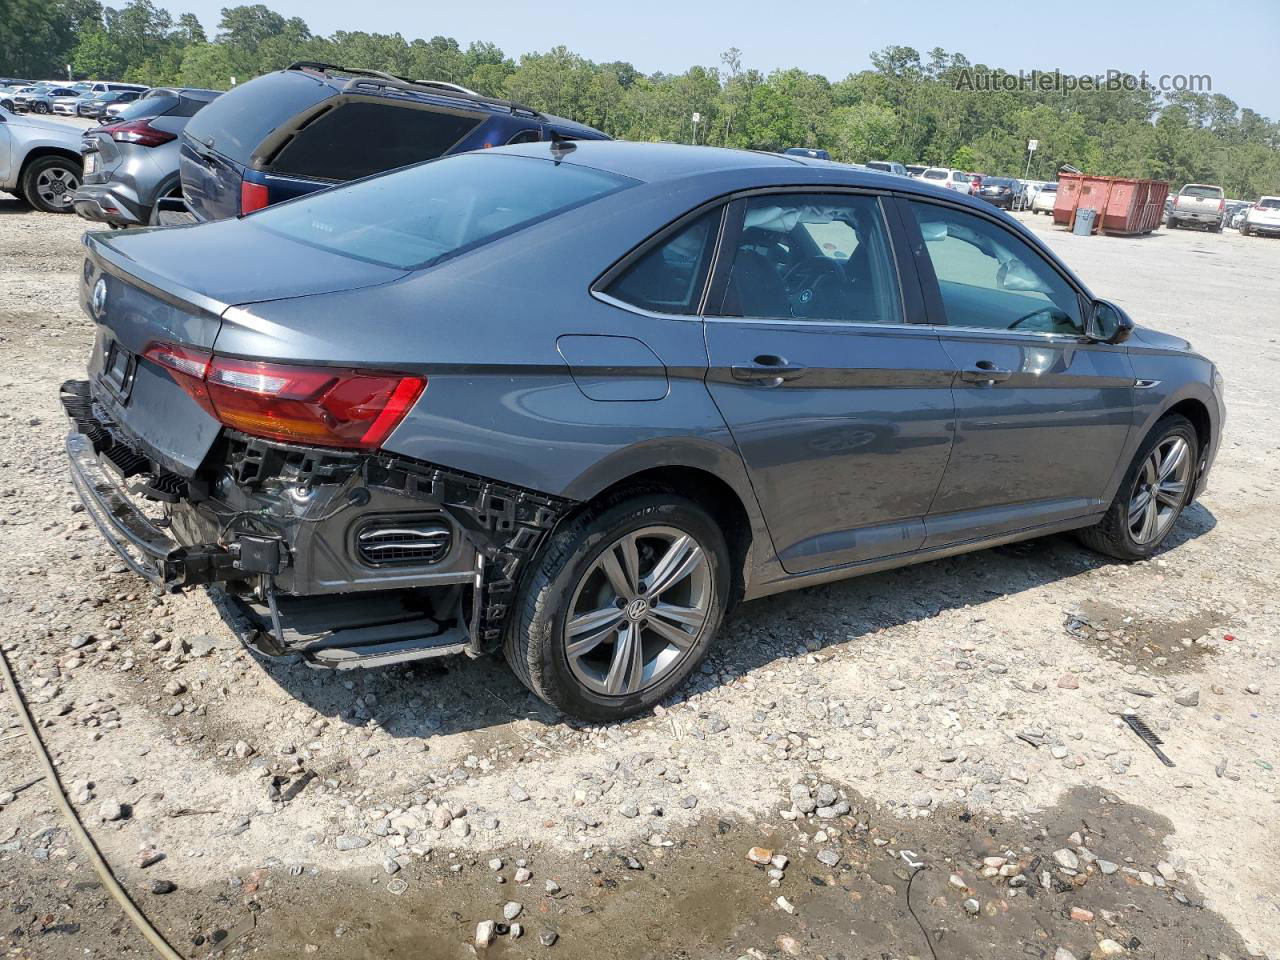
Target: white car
x,y
951,179
1263,217
1044,199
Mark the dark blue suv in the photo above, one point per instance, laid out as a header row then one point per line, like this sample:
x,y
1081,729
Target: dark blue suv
x,y
312,125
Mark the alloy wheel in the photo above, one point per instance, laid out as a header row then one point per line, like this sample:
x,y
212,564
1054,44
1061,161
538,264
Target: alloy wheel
x,y
638,611
55,185
1160,490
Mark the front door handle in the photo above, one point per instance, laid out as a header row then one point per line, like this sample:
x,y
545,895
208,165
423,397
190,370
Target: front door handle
x,y
984,371
768,370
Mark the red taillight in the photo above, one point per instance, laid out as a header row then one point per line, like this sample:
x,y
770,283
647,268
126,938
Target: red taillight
x,y
139,132
1222,204
313,405
253,196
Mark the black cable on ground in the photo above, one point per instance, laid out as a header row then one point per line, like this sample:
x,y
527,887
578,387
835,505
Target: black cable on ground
x,y
927,939
153,936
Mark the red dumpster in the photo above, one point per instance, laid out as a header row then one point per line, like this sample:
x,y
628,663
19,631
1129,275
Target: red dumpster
x,y
1125,206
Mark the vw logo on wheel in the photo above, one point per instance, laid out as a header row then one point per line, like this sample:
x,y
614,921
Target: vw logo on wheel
x,y
638,609
806,295
98,302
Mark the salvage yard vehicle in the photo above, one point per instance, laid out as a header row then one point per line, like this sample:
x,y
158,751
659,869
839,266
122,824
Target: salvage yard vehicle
x,y
956,180
39,161
573,401
1263,218
1044,199
1198,203
132,163
999,191
312,125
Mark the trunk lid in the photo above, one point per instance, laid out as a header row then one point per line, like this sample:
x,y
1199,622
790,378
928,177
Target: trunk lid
x,y
172,285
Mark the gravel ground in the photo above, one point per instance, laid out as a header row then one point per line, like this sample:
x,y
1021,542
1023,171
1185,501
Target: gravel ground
x,y
966,711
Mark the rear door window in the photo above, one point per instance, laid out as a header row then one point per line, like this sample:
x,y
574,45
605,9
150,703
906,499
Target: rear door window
x,y
361,138
669,278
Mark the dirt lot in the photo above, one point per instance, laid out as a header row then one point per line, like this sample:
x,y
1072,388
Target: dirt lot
x,y
966,711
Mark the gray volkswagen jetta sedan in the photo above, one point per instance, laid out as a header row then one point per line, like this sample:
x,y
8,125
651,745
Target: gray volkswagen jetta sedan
x,y
574,401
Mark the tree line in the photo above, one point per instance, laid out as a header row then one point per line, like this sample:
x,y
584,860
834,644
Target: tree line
x,y
906,107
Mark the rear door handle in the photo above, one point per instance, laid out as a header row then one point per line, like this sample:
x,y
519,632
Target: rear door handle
x,y
984,371
767,369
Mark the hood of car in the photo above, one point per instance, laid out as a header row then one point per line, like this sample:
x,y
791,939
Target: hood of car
x,y
1145,336
62,130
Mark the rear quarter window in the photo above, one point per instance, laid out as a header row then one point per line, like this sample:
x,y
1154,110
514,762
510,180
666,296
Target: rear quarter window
x,y
361,138
240,119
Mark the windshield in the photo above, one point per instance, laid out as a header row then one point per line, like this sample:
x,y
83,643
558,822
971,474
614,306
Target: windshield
x,y
997,182
1195,190
420,215
1269,203
935,174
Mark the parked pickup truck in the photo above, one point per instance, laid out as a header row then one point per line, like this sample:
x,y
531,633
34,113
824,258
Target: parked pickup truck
x,y
1200,204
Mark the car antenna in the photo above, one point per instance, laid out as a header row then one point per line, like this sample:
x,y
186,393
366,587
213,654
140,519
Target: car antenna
x,y
560,146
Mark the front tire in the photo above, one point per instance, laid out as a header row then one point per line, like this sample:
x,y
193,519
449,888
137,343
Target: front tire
x,y
621,607
1154,492
49,182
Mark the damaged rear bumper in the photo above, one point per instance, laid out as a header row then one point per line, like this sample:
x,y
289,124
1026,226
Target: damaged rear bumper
x,y
348,560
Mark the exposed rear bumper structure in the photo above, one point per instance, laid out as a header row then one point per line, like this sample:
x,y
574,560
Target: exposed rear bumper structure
x,y
309,579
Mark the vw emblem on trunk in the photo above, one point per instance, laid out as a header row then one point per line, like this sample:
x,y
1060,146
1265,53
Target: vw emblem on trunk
x,y
98,302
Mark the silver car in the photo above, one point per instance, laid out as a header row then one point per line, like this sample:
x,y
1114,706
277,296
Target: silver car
x,y
39,160
40,100
132,162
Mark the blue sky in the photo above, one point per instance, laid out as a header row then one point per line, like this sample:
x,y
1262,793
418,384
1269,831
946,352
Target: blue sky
x,y
1235,43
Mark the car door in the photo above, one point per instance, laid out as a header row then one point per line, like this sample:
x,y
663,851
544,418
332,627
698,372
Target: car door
x,y
1042,410
840,407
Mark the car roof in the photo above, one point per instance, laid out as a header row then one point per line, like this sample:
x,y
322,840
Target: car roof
x,y
658,162
651,162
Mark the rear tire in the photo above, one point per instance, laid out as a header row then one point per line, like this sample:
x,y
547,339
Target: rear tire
x,y
49,182
1122,533
598,593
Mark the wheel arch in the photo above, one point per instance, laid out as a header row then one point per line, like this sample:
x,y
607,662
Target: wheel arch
x,y
707,473
39,153
1195,410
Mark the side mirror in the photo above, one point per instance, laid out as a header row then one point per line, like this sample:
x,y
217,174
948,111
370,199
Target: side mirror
x,y
1110,323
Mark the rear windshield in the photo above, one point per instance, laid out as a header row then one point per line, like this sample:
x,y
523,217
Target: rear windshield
x,y
997,182
149,107
1213,193
1049,188
419,216
1269,203
362,138
240,119
935,174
